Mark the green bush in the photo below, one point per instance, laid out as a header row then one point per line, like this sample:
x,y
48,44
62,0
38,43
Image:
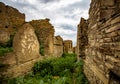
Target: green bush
x,y
5,50
43,67
42,48
62,64
64,70
55,66
70,55
79,75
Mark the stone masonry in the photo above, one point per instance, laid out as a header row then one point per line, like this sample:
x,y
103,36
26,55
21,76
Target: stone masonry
x,y
26,41
68,48
75,50
26,53
82,38
58,46
25,44
45,34
4,36
30,39
10,18
102,53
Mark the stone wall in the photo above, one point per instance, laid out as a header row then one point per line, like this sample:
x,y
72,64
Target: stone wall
x,y
4,36
29,39
82,38
25,44
26,53
10,20
75,50
45,34
102,54
26,41
58,46
68,48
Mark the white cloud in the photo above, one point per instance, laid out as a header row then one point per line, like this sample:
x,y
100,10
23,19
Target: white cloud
x,y
64,14
65,31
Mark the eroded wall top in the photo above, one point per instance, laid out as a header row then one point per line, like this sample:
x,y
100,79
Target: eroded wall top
x,y
10,17
43,28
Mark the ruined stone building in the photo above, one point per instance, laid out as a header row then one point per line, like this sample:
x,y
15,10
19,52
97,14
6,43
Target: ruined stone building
x,y
31,41
10,19
75,50
25,53
68,48
102,52
45,34
58,46
82,38
25,43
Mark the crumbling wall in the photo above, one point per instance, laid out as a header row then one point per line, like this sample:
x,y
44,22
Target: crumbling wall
x,y
25,44
4,36
45,34
26,53
102,63
58,46
75,50
68,48
10,20
82,39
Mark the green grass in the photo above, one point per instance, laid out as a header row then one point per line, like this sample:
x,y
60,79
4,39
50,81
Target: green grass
x,y
64,70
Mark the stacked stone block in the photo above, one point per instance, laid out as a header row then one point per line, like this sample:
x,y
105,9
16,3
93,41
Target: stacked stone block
x,y
102,63
68,48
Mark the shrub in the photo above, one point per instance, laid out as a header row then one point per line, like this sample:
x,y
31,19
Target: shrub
x,y
62,64
54,66
79,75
64,70
42,48
5,50
43,67
70,55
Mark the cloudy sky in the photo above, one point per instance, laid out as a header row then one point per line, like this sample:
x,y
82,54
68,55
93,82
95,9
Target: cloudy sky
x,y
64,14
